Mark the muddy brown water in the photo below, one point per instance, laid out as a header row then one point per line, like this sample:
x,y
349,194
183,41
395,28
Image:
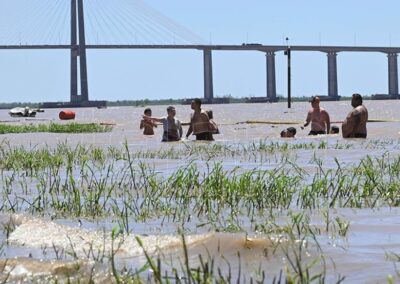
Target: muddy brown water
x,y
362,257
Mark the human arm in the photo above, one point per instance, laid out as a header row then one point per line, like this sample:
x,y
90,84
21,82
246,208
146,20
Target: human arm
x,y
153,119
327,122
308,120
190,130
180,130
141,124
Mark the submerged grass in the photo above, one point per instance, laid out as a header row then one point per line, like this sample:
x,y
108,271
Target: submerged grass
x,y
55,128
87,181
118,184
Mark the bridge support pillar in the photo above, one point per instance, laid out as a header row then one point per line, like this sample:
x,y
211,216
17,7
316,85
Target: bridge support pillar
x,y
82,53
393,74
208,77
78,50
74,56
332,76
271,81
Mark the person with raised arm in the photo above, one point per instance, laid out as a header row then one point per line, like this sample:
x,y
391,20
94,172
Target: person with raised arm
x,y
172,126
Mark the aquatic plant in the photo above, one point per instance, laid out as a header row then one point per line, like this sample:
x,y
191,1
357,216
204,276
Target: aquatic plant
x,y
55,128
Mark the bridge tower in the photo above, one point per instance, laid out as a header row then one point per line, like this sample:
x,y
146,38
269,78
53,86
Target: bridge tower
x,y
78,49
393,77
208,76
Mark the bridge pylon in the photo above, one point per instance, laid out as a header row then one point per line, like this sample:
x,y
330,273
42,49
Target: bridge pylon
x,y
78,49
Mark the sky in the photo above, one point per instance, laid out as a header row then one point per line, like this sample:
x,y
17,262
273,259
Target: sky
x,y
43,75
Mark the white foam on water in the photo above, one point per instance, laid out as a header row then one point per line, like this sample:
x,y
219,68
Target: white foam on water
x,y
27,270
38,233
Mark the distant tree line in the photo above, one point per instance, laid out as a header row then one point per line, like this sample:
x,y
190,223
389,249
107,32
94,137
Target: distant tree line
x,y
147,102
20,104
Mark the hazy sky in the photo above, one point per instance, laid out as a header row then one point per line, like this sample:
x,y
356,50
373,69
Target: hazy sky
x,y
43,75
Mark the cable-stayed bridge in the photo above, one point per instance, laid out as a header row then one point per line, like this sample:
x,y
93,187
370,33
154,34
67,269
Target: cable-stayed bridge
x,y
78,25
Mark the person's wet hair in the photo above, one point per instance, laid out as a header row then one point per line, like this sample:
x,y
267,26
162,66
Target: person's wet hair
x,y
357,97
314,99
210,114
334,129
289,132
197,101
170,108
292,130
147,110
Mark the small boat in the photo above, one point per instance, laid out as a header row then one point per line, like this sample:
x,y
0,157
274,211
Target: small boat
x,y
22,112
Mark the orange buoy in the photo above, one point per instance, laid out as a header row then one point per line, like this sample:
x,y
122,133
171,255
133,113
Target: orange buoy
x,y
66,114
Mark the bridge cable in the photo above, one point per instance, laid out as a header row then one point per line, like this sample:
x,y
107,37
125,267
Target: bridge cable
x,y
150,28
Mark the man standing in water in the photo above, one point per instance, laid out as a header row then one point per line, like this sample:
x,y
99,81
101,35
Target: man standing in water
x,y
172,126
199,123
355,124
319,118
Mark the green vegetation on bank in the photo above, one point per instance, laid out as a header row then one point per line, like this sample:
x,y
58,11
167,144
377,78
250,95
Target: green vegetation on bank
x,y
55,128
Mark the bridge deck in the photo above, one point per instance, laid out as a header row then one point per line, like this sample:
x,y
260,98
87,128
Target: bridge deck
x,y
248,47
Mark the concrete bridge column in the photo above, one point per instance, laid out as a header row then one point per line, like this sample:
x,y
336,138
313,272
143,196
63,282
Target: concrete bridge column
x,y
74,55
82,53
393,75
208,78
332,75
271,82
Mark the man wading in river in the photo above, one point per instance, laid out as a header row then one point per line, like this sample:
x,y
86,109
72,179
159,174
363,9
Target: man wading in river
x,y
319,118
199,123
355,124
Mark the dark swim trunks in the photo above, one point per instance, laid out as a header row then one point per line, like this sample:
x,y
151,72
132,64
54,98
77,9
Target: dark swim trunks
x,y
170,136
204,136
360,135
314,132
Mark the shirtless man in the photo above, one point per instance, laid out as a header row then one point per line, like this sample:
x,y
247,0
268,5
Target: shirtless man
x,y
172,126
355,124
319,118
199,123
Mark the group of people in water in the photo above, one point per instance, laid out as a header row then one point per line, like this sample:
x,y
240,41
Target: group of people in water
x,y
203,126
354,126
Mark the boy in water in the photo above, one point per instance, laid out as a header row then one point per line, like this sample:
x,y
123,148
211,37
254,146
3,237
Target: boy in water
x,y
172,126
290,132
334,130
147,125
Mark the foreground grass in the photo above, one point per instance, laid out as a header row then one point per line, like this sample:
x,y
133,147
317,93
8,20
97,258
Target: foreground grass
x,y
92,182
55,128
118,184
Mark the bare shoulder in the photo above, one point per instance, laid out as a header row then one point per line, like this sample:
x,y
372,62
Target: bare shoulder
x,y
361,108
323,111
204,115
358,110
